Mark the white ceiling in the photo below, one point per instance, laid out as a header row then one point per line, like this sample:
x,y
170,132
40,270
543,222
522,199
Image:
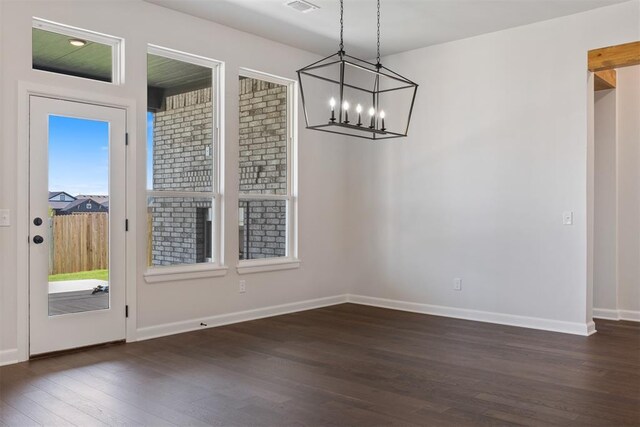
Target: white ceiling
x,y
406,24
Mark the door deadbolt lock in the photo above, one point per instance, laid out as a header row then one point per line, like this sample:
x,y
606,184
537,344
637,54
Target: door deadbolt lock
x,y
38,239
37,221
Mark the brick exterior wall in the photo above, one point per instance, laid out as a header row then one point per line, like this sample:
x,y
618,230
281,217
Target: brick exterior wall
x,y
263,167
182,161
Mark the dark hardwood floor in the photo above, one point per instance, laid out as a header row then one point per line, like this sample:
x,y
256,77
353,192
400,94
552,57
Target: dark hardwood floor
x,y
346,365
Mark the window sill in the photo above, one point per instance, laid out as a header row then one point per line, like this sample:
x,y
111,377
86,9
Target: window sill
x,y
184,272
261,266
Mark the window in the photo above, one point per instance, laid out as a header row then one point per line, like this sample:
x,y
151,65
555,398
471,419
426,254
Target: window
x,y
66,50
89,205
183,171
267,192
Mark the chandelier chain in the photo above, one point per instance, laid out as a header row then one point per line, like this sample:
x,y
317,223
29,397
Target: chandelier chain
x,y
378,32
341,26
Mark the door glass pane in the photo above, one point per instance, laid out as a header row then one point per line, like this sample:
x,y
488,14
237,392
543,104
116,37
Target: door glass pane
x,y
78,219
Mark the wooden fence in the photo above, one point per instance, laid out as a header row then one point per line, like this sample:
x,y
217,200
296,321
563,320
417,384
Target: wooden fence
x,y
79,242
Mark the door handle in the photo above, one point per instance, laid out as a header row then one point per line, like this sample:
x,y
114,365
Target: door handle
x,y
38,239
37,221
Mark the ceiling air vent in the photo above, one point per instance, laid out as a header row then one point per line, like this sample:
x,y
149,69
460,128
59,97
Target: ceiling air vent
x,y
302,6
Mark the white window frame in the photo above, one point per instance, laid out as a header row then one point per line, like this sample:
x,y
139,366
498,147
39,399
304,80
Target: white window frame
x,y
290,260
116,43
216,267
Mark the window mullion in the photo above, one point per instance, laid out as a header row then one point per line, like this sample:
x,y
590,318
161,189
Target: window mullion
x,y
168,193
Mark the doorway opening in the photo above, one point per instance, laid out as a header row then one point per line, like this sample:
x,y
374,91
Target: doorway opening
x,y
615,198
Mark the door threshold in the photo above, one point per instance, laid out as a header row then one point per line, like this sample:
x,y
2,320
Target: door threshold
x,y
75,350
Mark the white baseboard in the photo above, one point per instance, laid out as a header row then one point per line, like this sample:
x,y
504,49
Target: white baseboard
x,y
631,315
575,328
591,328
241,316
8,357
608,314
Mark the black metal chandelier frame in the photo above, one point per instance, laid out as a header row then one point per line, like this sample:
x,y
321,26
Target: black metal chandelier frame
x,y
341,125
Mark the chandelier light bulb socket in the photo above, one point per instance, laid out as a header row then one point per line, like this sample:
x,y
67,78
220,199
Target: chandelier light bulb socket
x,y
359,111
382,116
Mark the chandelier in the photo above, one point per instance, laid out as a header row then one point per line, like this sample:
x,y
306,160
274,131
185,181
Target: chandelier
x,y
350,96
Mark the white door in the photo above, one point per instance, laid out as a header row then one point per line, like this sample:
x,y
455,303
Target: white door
x,y
77,224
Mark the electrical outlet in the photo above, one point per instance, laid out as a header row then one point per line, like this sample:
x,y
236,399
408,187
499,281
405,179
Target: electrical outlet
x,y
243,287
457,284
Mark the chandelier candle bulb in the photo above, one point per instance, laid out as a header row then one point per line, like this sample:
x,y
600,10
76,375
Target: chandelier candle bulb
x,y
359,110
372,113
345,107
332,103
382,116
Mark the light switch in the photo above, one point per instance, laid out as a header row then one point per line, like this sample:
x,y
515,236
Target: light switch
x,y
567,218
5,218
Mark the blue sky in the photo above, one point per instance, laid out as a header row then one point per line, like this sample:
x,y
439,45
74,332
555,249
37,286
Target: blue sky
x,y
79,155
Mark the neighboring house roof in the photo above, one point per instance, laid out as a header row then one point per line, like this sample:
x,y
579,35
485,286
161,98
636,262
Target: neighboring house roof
x,y
78,205
96,197
58,205
75,203
53,194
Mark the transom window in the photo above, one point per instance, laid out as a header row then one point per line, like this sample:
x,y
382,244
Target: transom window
x,y
62,49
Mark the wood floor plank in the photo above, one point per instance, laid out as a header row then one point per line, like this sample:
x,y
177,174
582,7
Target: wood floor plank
x,y
9,416
346,365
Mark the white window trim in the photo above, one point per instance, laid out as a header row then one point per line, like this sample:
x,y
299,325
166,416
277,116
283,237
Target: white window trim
x,y
116,43
216,268
172,273
291,259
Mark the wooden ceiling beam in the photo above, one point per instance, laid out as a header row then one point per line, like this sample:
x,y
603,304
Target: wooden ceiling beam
x,y
604,80
608,58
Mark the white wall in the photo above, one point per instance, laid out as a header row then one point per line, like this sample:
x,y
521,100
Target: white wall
x,y
605,292
497,151
628,93
323,199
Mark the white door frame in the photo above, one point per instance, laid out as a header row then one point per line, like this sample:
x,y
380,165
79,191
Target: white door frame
x,y
25,90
